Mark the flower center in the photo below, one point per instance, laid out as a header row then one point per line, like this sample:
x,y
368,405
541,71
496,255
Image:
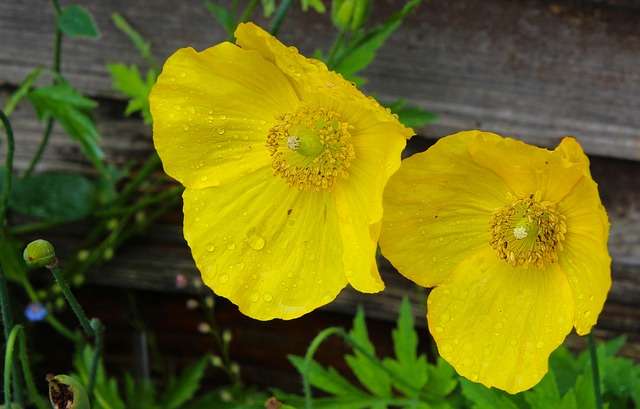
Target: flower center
x,y
311,148
528,232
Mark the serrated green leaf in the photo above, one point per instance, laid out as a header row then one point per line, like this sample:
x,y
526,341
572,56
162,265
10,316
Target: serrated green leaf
x,y
22,91
565,368
407,366
374,378
183,388
54,196
361,52
327,380
223,16
485,398
71,110
77,21
127,80
441,380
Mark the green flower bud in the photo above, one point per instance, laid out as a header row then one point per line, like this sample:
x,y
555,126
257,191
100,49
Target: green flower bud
x,y
350,15
39,253
66,392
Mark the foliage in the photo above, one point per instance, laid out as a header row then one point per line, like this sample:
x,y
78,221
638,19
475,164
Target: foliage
x,y
76,21
408,380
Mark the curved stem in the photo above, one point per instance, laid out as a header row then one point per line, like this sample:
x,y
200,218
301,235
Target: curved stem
x,y
41,147
98,330
73,301
8,173
595,370
57,61
9,364
278,18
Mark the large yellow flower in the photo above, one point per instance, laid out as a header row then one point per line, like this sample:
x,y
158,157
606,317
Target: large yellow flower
x,y
284,164
513,237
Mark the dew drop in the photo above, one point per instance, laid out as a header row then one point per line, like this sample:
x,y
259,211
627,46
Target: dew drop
x,y
539,345
254,298
268,297
220,131
231,246
255,241
211,248
439,329
224,278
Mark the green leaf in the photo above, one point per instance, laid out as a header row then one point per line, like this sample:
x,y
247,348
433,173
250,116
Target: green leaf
x,y
361,52
317,5
327,380
141,394
143,46
485,398
442,379
565,368
183,388
71,110
77,21
106,395
411,116
127,80
374,378
54,196
22,91
407,366
584,393
223,16
11,261
268,7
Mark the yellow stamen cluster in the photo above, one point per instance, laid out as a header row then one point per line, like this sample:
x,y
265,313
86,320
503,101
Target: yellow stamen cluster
x,y
311,148
529,232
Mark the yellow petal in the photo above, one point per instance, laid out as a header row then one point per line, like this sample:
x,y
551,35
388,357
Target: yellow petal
x,y
311,78
585,258
528,169
437,210
496,324
212,111
359,200
272,250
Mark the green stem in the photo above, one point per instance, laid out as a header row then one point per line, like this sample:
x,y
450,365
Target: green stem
x,y
150,165
324,335
73,301
143,203
595,370
57,61
98,330
278,18
8,364
50,319
41,147
8,172
37,226
37,399
334,49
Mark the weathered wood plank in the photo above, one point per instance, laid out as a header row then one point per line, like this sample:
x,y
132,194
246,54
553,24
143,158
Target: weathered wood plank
x,y
529,68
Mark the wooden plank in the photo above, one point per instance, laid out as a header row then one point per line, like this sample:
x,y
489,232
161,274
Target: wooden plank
x,y
529,68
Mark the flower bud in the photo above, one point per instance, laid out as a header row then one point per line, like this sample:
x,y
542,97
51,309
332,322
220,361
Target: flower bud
x,y
65,392
39,253
350,15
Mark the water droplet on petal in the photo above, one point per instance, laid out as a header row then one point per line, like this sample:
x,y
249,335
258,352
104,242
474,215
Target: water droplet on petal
x,y
255,241
268,297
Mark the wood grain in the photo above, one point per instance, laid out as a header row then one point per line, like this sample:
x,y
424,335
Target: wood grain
x,y
534,69
530,68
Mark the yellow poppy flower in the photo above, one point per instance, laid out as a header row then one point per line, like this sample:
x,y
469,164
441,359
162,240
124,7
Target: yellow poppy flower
x,y
284,164
514,240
